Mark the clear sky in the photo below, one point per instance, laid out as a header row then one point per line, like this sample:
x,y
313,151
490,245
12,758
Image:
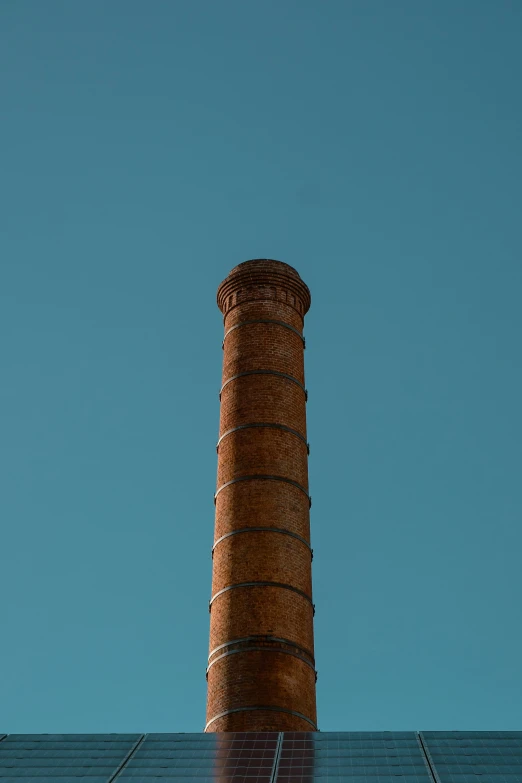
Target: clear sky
x,y
147,147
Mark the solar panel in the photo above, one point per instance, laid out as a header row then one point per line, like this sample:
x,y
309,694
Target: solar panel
x,y
356,757
205,758
27,758
475,757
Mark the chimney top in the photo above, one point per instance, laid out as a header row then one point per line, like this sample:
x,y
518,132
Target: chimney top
x,y
253,280
257,263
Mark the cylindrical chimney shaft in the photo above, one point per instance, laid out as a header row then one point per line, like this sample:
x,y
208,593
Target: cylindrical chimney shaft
x,y
261,671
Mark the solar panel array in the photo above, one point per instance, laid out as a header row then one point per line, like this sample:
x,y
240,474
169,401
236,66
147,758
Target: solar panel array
x,y
264,757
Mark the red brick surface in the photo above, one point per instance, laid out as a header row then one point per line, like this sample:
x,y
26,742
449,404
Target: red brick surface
x,y
236,679
259,346
262,556
259,721
258,503
261,611
264,451
262,398
261,636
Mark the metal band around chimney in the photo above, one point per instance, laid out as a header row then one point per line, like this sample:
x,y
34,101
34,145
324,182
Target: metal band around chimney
x,y
266,321
281,585
265,529
261,649
268,425
262,477
277,639
269,709
265,372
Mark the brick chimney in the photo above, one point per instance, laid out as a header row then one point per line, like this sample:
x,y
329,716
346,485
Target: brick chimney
x,y
261,670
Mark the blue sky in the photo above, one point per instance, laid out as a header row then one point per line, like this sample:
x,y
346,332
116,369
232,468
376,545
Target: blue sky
x,y
149,147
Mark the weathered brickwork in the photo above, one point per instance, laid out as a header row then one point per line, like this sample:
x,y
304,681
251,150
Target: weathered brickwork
x,y
235,679
260,347
262,503
262,556
251,721
261,611
261,674
263,398
264,451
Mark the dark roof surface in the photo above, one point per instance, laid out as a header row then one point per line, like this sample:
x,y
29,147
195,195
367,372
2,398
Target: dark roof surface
x,y
241,757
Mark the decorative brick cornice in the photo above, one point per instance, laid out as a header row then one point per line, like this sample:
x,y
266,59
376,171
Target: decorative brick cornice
x,y
263,278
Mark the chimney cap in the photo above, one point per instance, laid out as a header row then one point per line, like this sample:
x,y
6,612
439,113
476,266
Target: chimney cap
x,y
266,262
263,272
